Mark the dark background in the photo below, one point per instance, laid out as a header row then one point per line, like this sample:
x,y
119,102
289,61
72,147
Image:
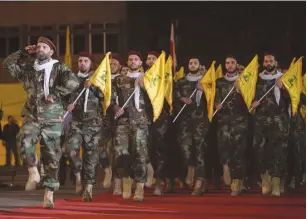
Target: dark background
x,y
212,30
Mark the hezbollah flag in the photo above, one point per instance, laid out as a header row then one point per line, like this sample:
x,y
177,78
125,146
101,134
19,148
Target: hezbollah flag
x,y
179,74
292,81
102,79
169,82
247,82
154,82
208,85
67,58
141,69
219,72
292,63
303,112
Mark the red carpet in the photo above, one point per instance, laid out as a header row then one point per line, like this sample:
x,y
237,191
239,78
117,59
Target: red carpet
x,y
215,205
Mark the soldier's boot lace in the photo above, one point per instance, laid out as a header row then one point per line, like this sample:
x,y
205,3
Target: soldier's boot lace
x,y
107,177
276,186
48,199
117,187
158,188
150,174
33,179
88,193
190,176
266,183
127,184
226,174
139,192
78,183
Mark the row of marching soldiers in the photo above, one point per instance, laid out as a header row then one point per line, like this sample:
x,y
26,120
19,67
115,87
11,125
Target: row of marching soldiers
x,y
138,106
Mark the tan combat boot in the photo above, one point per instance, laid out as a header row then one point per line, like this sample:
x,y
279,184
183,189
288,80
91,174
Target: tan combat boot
x,y
139,192
198,190
33,180
117,187
107,178
236,187
78,183
226,174
126,187
88,193
158,188
190,176
266,183
150,174
48,199
275,186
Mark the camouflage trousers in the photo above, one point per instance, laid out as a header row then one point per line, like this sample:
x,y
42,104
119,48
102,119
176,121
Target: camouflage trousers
x,y
193,145
130,150
106,142
297,148
50,133
231,144
270,144
159,145
87,134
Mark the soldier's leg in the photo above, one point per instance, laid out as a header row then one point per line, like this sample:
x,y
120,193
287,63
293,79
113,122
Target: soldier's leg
x,y
259,143
238,138
27,140
122,160
201,145
277,151
91,134
140,156
72,151
299,154
224,149
185,143
51,153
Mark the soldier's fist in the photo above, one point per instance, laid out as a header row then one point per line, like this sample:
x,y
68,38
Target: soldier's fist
x,y
186,100
31,49
118,111
218,106
255,104
278,83
70,107
49,100
87,84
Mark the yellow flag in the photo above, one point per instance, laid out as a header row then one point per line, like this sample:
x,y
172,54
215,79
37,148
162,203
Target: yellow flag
x,y
154,82
67,58
208,85
141,69
102,79
303,111
219,72
247,82
292,81
179,74
169,82
304,84
292,63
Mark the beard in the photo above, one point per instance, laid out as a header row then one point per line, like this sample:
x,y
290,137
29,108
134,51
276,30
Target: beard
x,y
194,71
41,56
232,71
270,68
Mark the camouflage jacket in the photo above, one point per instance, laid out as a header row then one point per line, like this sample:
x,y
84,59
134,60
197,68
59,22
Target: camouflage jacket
x,y
268,106
184,88
122,87
62,83
94,102
234,105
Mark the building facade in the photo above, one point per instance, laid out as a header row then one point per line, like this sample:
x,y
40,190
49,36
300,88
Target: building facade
x,y
97,27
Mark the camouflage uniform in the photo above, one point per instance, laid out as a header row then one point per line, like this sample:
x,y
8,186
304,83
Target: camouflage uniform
x,y
41,119
232,128
85,130
297,143
271,130
131,133
158,132
193,126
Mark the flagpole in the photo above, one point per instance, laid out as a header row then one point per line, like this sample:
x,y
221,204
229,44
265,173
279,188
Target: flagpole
x,y
75,101
224,99
127,101
250,110
184,106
